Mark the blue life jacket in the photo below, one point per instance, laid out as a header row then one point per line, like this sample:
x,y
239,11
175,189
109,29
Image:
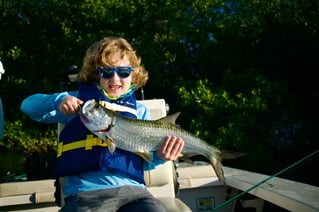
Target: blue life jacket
x,y
80,151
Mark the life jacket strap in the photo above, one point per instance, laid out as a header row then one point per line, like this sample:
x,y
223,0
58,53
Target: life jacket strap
x,y
87,144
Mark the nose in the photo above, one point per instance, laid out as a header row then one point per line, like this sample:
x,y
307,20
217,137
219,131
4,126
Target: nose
x,y
115,76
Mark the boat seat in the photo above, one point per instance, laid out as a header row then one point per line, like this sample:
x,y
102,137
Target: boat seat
x,y
162,181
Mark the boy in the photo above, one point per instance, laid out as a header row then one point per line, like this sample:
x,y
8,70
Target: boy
x,y
97,180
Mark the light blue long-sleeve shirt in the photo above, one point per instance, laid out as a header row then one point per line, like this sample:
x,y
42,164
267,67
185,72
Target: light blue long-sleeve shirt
x,y
44,108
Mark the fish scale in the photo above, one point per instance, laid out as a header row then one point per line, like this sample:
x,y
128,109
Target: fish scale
x,y
144,136
141,135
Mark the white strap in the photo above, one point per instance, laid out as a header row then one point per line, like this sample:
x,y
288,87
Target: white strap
x,y
120,108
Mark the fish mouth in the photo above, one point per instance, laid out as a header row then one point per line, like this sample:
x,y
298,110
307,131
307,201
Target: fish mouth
x,y
85,108
88,105
84,119
88,108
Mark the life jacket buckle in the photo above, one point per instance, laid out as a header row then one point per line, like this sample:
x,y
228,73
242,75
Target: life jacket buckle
x,y
93,141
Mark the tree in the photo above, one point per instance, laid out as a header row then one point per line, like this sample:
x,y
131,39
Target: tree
x,y
242,53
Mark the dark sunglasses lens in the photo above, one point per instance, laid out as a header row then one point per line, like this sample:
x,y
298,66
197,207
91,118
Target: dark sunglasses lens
x,y
124,72
106,73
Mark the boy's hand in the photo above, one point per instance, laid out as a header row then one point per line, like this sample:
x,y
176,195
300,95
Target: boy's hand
x,y
171,148
70,105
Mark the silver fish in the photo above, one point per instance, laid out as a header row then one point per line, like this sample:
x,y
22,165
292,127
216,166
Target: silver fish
x,y
144,136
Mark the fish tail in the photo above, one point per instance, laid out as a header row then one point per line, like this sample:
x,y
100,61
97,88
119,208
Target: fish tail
x,y
218,168
217,165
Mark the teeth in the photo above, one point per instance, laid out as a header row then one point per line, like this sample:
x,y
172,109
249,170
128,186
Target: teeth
x,y
115,86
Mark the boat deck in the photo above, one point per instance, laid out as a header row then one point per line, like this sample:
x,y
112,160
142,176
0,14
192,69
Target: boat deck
x,y
198,185
287,194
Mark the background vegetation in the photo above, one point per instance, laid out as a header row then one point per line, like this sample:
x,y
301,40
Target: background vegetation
x,y
242,72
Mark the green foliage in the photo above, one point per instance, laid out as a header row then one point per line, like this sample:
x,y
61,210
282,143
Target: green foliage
x,y
241,118
243,69
20,139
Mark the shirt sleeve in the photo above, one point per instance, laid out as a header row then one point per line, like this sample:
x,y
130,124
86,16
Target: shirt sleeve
x,y
142,111
144,114
44,107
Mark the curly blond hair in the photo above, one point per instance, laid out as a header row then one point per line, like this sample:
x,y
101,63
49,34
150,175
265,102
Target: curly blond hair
x,y
100,54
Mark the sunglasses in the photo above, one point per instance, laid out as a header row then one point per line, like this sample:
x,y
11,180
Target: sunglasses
x,y
121,71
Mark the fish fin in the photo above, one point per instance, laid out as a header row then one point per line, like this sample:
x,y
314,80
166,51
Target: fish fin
x,y
171,119
186,160
145,155
229,154
187,157
110,144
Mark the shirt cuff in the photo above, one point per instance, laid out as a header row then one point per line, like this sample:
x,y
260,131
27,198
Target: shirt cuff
x,y
59,99
157,160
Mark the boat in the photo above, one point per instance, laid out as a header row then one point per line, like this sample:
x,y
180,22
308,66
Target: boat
x,y
185,187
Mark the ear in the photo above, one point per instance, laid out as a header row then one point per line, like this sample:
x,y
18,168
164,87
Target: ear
x,y
133,78
133,81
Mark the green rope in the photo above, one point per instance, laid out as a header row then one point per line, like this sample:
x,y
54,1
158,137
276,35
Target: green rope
x,y
263,181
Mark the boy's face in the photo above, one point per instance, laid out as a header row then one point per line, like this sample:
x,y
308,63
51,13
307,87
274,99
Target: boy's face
x,y
116,86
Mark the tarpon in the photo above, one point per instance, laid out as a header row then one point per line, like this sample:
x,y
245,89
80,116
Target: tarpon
x,y
144,136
